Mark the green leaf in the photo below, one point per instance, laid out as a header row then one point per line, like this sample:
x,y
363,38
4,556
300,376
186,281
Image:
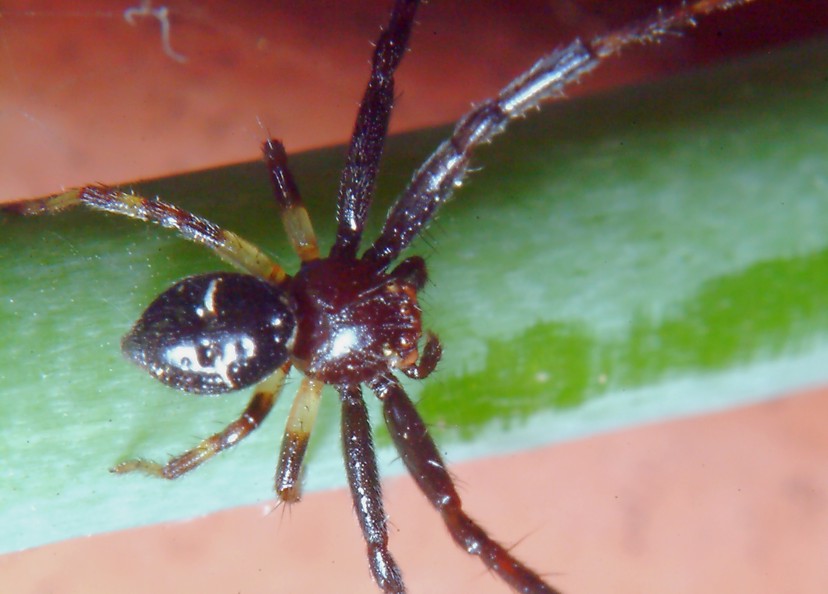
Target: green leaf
x,y
616,257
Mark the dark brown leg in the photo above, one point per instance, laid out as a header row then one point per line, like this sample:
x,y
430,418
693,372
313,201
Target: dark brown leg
x,y
426,466
363,479
294,216
295,441
445,169
257,409
356,186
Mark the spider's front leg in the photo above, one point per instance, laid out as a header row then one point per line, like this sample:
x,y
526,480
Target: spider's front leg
x,y
356,186
444,171
426,466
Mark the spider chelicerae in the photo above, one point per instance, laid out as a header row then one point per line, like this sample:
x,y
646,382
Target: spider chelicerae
x,y
345,319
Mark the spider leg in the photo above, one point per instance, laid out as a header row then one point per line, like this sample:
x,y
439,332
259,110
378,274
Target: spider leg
x,y
294,216
226,244
363,479
445,169
295,442
426,466
356,186
264,397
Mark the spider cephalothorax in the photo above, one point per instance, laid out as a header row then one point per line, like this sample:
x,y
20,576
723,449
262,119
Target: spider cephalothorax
x,y
344,319
355,322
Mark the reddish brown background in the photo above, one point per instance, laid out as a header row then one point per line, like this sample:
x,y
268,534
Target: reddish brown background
x,y
728,502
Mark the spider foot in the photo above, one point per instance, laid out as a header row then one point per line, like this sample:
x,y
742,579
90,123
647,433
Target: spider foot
x,y
50,205
144,466
176,466
289,496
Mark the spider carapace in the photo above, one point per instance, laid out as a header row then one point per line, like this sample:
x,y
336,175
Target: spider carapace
x,y
345,319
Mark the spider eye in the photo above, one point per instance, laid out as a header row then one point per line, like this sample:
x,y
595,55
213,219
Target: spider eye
x,y
213,333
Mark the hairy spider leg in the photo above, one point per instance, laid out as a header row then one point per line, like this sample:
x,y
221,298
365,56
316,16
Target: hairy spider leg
x,y
302,414
358,180
300,422
264,397
426,466
364,482
227,245
294,215
435,180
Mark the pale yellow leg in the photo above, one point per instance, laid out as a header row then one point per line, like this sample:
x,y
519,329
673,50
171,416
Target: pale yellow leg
x,y
226,244
295,442
264,397
300,231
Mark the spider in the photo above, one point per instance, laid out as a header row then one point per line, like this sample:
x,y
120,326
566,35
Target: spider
x,y
343,319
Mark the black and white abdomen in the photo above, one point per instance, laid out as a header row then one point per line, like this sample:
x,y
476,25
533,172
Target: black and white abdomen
x,y
213,333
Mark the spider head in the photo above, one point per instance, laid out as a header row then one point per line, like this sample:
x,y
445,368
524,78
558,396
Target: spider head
x,y
354,322
213,333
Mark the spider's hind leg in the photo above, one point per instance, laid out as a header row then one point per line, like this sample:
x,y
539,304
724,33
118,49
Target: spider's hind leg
x,y
226,244
264,397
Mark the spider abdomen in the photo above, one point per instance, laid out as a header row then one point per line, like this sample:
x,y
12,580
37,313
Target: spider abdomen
x,y
354,323
213,333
